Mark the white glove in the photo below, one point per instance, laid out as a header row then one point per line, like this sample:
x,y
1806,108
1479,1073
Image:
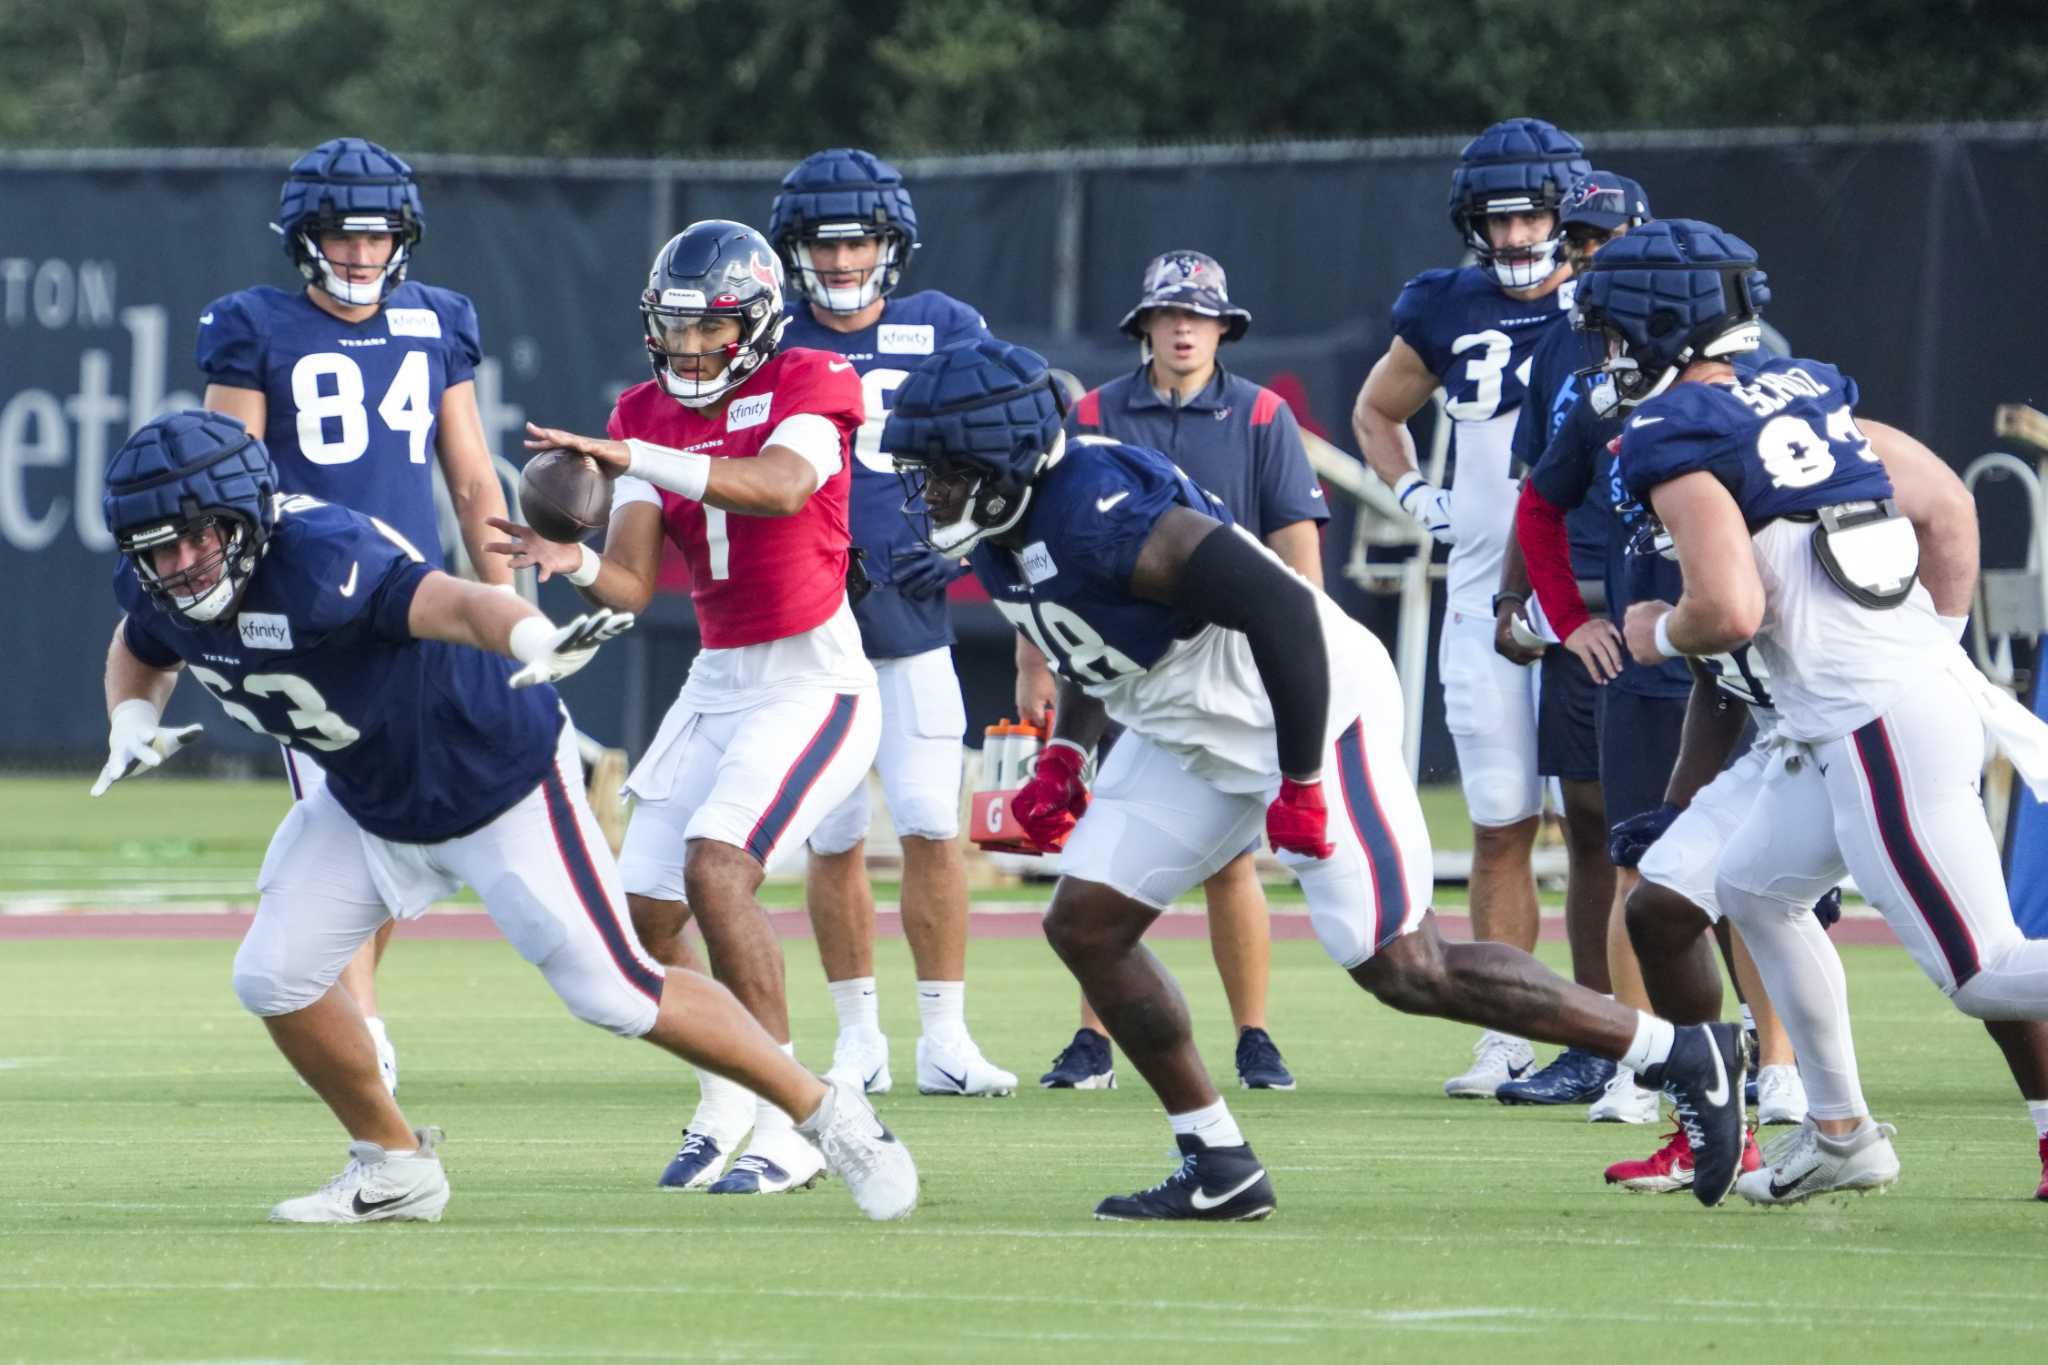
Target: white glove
x,y
552,653
1428,505
134,739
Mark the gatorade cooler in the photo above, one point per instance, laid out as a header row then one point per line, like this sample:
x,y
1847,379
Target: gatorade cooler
x,y
1008,751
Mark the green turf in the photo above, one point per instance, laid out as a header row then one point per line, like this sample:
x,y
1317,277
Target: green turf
x,y
145,1124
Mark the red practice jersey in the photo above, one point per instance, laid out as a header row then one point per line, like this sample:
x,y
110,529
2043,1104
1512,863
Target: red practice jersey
x,y
753,578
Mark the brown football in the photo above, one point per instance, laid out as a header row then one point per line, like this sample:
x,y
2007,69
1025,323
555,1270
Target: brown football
x,y
564,496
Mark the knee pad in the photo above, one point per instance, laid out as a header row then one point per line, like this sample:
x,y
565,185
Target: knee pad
x,y
1741,906
1499,790
266,995
844,826
926,815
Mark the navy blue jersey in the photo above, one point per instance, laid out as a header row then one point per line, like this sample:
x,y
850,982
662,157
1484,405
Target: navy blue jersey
x,y
892,626
1553,387
1236,439
1069,587
1476,339
421,740
352,409
1782,440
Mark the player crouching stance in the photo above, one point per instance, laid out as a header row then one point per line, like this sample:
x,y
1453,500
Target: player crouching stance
x,y
446,764
1239,686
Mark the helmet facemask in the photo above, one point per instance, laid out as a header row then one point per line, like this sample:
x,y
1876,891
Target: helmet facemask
x,y
993,503
330,278
207,589
881,278
1524,266
742,356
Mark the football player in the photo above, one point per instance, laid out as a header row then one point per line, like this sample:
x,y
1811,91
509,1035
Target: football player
x,y
1849,552
739,453
1240,687
845,229
352,381
446,764
1239,441
1470,331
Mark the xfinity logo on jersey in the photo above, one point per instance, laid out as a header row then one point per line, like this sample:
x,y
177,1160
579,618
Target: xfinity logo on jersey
x,y
265,630
1036,562
413,322
748,412
906,338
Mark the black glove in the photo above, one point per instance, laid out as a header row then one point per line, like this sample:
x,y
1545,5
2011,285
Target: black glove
x,y
1631,839
1828,908
923,573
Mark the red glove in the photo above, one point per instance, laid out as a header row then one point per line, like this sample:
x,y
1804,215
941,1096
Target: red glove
x,y
1297,818
1047,807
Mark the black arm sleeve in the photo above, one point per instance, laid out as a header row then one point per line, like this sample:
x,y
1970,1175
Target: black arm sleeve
x,y
1235,583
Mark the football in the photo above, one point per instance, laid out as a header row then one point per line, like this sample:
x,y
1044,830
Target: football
x,y
564,496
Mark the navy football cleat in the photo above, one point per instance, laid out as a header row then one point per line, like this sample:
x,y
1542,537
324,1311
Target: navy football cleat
x,y
1083,1064
1258,1062
1751,1076
1219,1184
1573,1077
1703,1077
696,1165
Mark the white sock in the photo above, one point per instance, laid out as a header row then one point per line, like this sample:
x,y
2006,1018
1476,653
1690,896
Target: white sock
x,y
1652,1044
942,1008
768,1119
856,1004
1213,1126
2037,1110
376,1027
724,1108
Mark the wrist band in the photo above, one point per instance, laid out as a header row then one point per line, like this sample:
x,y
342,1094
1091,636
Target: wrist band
x,y
529,638
142,706
1405,485
587,566
1663,636
1066,744
682,472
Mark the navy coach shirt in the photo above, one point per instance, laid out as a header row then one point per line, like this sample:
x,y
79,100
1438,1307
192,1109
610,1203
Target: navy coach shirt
x,y
1234,439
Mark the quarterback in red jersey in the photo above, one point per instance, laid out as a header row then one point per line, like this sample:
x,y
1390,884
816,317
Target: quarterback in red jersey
x,y
740,455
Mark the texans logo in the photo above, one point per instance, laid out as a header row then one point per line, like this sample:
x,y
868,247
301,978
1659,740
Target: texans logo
x,y
762,268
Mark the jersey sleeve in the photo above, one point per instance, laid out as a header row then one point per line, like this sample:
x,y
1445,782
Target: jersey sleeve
x,y
1564,466
1412,312
1107,515
334,563
1289,490
961,324
390,602
465,344
231,343
141,626
825,385
1670,436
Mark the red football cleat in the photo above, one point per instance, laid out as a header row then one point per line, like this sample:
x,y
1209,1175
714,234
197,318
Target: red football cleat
x,y
1669,1168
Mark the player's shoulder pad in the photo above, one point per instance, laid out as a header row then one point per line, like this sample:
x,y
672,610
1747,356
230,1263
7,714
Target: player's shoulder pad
x,y
806,380
955,321
455,312
1419,294
1820,371
234,330
1677,432
324,561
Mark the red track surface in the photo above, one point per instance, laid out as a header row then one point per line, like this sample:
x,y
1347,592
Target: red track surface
x,y
1020,923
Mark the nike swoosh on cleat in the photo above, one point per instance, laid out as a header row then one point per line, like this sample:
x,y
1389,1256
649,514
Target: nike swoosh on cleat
x,y
873,1076
1717,1093
364,1206
1203,1201
959,1080
1780,1191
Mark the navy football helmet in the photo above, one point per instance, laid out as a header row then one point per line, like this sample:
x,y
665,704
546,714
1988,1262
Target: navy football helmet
x,y
715,268
181,475
1520,165
836,195
986,413
1666,295
349,185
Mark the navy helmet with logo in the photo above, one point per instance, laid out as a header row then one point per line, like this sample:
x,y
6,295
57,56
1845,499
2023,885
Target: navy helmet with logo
x,y
181,475
1190,280
843,194
1668,294
1519,165
986,412
347,184
716,268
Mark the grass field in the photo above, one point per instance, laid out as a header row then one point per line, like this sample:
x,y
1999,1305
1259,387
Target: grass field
x,y
145,1125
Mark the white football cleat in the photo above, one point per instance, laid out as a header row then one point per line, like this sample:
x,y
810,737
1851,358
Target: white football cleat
x,y
862,1057
1624,1101
956,1067
863,1152
1780,1096
1807,1162
1497,1058
377,1186
774,1163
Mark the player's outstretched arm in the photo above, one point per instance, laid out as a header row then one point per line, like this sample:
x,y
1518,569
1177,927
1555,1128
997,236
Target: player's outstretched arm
x,y
446,608
136,693
775,483
622,578
1225,577
471,478
1943,513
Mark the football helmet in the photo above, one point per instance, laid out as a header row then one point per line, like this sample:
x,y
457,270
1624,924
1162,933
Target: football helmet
x,y
986,412
834,195
180,475
715,268
349,185
1670,293
1520,165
